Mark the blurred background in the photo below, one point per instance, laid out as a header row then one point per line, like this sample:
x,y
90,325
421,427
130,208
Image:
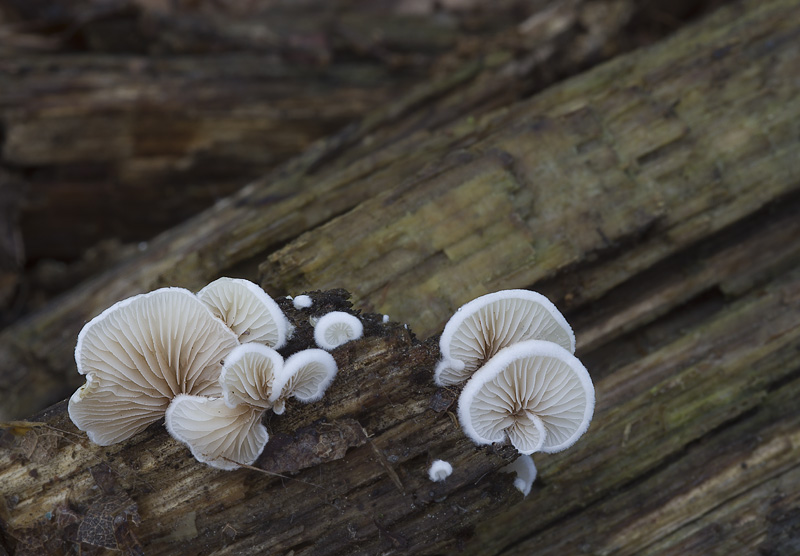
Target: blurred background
x,y
120,119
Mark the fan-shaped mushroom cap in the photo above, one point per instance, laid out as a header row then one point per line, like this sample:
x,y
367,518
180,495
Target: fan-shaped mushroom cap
x,y
216,434
491,322
336,328
140,353
439,470
247,310
248,373
305,375
535,392
526,472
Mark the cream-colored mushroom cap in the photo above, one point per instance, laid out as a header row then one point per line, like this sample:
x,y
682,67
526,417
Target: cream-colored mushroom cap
x,y
140,353
218,435
247,310
305,376
336,328
536,393
491,322
248,373
526,472
439,470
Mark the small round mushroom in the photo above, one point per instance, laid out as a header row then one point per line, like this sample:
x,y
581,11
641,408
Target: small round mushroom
x,y
140,353
439,470
302,302
247,310
491,322
248,373
305,376
526,472
535,393
336,328
221,436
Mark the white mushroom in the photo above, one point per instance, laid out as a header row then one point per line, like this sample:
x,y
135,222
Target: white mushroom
x,y
248,373
302,302
140,353
491,322
305,375
247,310
218,435
526,472
439,470
337,328
536,393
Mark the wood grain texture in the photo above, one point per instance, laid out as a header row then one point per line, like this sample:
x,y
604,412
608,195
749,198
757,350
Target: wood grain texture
x,y
362,454
654,199
130,117
410,141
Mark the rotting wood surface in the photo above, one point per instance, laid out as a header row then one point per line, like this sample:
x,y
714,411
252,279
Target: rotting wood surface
x,y
124,119
687,323
363,453
644,156
690,438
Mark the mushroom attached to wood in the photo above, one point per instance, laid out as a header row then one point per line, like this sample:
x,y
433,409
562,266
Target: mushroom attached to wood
x,y
140,353
491,322
526,472
305,376
302,302
218,435
248,311
248,374
336,328
439,470
535,393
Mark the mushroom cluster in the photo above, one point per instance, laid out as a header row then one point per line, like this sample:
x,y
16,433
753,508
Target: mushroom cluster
x,y
207,362
515,351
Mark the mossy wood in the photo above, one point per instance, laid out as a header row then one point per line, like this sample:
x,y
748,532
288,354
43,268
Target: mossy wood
x,y
125,119
666,146
655,198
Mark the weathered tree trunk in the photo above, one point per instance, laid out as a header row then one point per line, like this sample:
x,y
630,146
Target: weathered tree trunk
x,y
376,432
655,198
126,118
656,145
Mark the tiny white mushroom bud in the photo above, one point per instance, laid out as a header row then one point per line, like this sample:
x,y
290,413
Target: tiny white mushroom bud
x,y
439,470
337,328
526,472
302,302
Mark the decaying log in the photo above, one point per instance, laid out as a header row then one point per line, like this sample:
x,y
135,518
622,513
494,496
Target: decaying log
x,y
638,158
131,116
362,452
655,198
690,438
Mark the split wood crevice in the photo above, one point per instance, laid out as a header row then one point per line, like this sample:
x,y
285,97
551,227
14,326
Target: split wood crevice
x,y
653,198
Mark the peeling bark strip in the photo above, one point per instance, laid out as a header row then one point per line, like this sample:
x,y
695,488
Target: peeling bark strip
x,y
352,471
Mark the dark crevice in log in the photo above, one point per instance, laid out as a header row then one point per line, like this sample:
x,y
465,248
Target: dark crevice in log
x,y
561,286
605,359
722,430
